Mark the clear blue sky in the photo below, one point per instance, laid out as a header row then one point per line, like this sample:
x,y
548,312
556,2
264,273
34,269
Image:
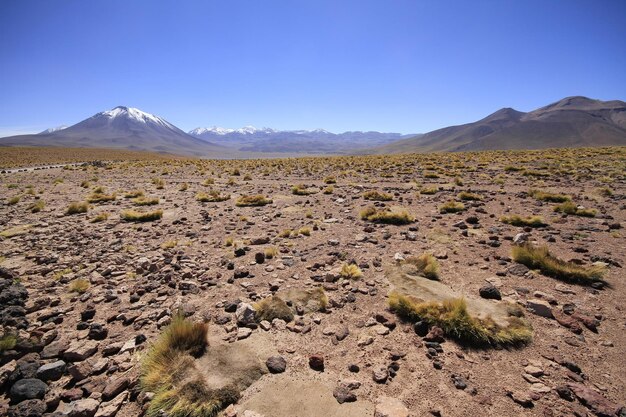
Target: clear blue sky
x,y
403,66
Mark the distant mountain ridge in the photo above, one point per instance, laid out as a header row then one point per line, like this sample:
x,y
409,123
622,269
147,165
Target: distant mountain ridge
x,y
318,141
571,122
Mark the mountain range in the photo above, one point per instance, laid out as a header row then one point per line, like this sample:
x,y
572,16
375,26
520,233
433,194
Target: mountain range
x,y
318,141
571,122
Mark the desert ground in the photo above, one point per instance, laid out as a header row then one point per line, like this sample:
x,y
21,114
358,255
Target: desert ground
x,y
357,286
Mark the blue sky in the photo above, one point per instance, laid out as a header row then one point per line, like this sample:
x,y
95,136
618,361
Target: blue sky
x,y
402,66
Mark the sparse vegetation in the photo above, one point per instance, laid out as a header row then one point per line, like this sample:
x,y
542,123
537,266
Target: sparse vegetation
x,y
571,208
467,196
159,183
252,201
14,200
145,201
301,189
531,221
428,190
387,216
454,319
377,196
98,196
213,196
77,208
272,308
37,206
451,207
550,197
426,265
351,271
134,194
101,217
540,258
137,216
79,285
7,342
168,370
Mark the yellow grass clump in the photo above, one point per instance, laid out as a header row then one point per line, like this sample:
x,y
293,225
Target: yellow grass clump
x,y
456,322
539,257
386,216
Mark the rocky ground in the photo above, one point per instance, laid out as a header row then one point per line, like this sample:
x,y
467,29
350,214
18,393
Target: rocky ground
x,y
81,301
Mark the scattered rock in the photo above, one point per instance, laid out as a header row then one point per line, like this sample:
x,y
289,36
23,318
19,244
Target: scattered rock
x,y
28,389
390,407
277,364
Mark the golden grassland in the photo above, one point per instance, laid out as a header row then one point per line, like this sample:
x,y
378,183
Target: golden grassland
x,y
18,157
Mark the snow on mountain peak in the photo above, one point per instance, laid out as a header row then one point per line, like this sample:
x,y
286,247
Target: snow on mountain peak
x,y
54,129
216,130
135,115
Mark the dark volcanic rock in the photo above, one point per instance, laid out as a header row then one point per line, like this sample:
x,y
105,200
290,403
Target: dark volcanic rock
x,y
27,389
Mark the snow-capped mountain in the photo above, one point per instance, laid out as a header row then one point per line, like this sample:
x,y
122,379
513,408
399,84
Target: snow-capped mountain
x,y
54,129
250,138
121,128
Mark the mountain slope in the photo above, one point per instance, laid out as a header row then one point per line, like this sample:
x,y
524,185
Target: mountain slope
x,y
571,122
121,128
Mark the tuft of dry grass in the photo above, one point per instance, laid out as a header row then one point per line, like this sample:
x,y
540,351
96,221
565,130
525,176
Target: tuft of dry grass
x,y
271,308
77,207
100,218
571,208
454,319
14,200
539,257
98,196
145,201
252,201
426,265
301,189
386,216
531,221
375,195
428,190
37,206
351,271
467,196
271,252
168,369
451,207
137,216
213,196
134,194
551,197
79,285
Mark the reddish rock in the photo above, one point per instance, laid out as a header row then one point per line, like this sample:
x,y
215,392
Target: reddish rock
x,y
435,335
594,400
567,321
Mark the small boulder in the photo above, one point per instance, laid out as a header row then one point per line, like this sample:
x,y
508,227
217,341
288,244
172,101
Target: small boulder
x,y
28,389
490,292
276,364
